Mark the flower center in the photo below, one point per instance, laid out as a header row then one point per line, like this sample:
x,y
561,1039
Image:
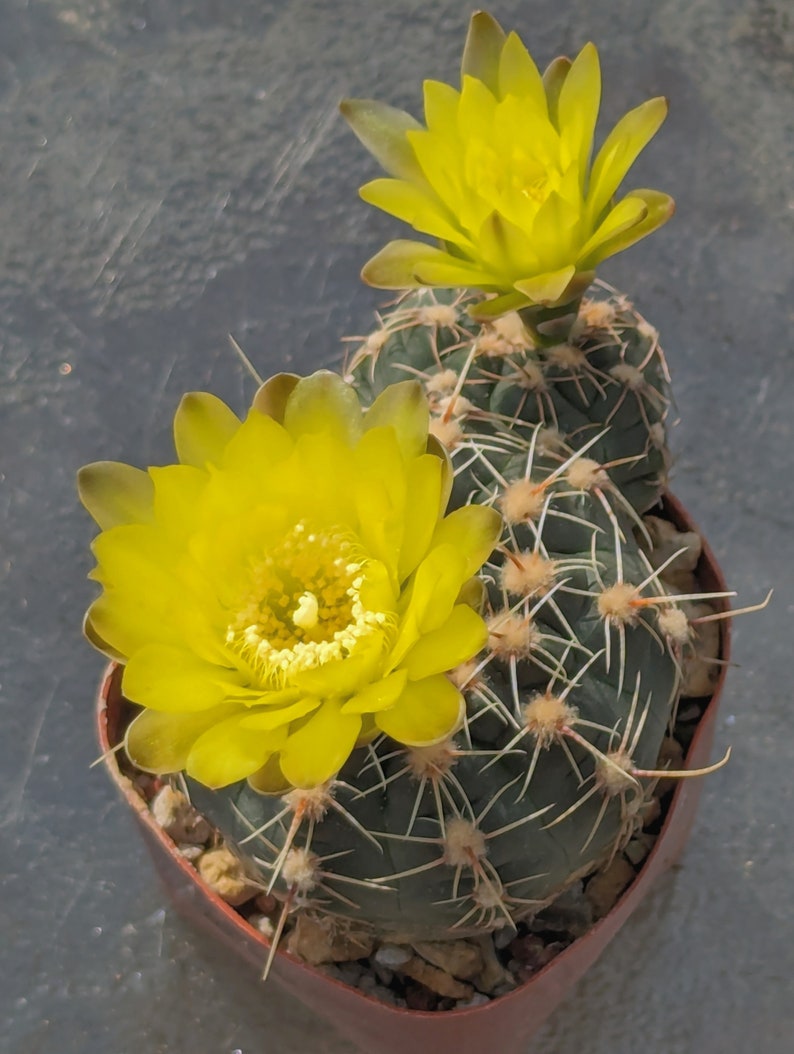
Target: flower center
x,y
304,606
499,176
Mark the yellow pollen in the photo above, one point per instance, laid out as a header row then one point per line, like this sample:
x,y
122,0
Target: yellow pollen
x,y
303,605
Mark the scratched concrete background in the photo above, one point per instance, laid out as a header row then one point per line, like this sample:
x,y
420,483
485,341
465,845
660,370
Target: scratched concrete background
x,y
174,171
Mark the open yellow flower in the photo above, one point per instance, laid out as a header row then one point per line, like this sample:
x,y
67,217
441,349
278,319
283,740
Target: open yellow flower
x,y
501,175
289,590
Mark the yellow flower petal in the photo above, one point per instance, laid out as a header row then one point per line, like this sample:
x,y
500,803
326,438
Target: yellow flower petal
x,y
323,404
269,779
133,556
430,598
408,202
577,108
407,264
379,695
229,752
659,208
160,743
93,637
266,718
177,492
473,530
462,636
483,49
271,398
518,74
620,150
441,106
260,444
487,310
547,288
203,425
627,213
115,493
382,129
404,408
173,680
318,749
342,677
437,449
120,626
424,477
427,712
553,79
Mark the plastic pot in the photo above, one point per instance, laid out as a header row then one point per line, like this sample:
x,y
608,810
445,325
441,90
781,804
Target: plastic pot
x,y
376,1027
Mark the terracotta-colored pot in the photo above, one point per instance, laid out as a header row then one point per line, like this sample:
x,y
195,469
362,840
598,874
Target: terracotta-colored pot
x,y
376,1027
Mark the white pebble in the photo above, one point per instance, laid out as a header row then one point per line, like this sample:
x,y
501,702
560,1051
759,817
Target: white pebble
x,y
392,955
478,999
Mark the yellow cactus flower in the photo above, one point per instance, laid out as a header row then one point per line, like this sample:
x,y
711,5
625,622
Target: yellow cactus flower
x,y
501,176
291,588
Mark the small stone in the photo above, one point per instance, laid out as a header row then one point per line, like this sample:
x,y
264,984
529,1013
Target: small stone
x,y
493,973
530,952
502,937
638,849
392,955
671,756
458,958
352,973
503,989
689,710
323,940
604,888
367,982
267,904
177,817
571,914
439,981
417,997
190,852
699,668
650,812
263,924
385,995
384,974
223,872
478,999
666,540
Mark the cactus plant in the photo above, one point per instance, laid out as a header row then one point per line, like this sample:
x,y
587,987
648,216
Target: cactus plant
x,y
402,717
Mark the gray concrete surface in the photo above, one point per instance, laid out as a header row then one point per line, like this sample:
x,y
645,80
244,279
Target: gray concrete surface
x,y
174,171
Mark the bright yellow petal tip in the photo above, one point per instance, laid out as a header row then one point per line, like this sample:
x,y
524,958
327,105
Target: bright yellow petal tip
x,y
503,176
291,589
